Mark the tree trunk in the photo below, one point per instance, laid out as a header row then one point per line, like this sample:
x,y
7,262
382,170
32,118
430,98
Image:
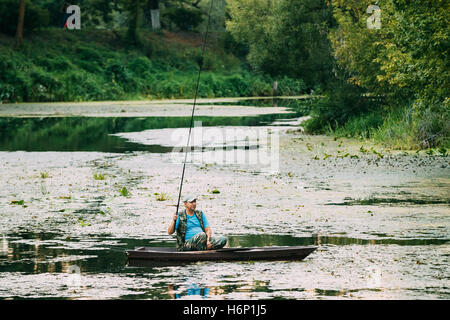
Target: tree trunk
x,y
155,14
19,32
133,21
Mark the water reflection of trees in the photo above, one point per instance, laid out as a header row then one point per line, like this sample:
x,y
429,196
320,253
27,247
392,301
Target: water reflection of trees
x,y
261,240
93,134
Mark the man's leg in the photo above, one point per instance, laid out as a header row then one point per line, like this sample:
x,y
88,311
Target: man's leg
x,y
218,242
196,243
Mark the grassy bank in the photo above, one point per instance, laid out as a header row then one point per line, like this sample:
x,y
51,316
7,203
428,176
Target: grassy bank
x,y
410,123
93,65
399,129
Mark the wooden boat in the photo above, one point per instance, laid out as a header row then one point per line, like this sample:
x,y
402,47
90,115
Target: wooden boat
x,y
162,255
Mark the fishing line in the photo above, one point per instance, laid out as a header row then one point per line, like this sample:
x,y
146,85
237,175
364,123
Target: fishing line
x,y
195,101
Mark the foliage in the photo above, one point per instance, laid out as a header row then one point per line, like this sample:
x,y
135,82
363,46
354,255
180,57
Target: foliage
x,y
99,176
285,37
184,18
405,62
35,17
124,192
162,196
87,65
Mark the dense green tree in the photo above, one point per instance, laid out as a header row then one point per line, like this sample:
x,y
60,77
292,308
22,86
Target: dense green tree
x,y
405,61
286,37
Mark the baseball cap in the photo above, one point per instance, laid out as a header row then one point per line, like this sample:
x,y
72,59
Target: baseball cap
x,y
189,198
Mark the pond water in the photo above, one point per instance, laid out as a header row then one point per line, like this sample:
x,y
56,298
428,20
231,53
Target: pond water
x,y
381,223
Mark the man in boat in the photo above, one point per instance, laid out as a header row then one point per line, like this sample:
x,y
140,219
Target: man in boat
x,y
193,230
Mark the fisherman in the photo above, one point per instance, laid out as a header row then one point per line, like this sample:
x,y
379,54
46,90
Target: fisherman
x,y
193,230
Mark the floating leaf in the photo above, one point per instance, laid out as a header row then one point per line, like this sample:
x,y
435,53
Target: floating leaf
x,y
99,176
44,175
124,192
363,150
162,197
83,223
18,202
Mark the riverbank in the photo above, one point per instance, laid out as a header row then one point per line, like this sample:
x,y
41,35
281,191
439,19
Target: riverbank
x,y
140,108
99,65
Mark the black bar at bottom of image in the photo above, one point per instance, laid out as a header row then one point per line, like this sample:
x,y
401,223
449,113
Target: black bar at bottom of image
x,y
220,309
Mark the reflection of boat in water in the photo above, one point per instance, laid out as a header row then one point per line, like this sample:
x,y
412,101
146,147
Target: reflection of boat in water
x,y
148,256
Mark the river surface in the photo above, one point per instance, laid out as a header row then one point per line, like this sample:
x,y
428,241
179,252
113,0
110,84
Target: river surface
x,y
78,190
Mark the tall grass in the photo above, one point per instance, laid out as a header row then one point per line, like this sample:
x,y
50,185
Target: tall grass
x,y
398,128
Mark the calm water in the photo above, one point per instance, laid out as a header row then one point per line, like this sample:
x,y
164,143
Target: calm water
x,y
96,134
63,234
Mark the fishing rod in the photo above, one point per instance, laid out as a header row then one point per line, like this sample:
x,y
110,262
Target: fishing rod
x,y
195,101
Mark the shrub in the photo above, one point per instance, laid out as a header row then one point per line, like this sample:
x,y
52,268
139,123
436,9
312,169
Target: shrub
x,y
183,18
341,102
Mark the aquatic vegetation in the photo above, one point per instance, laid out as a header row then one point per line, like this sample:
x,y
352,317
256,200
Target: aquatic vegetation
x,y
99,176
162,196
124,192
343,155
215,191
326,155
363,150
44,175
443,151
376,152
83,223
17,202
105,212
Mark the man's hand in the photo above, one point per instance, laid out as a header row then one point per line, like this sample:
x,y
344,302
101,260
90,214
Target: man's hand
x,y
208,244
172,224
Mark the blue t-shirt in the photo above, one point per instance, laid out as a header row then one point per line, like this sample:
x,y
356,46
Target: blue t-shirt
x,y
192,225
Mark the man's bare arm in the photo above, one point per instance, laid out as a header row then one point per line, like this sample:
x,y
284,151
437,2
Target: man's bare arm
x,y
172,224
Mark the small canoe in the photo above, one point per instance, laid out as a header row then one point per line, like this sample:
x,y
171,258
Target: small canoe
x,y
171,255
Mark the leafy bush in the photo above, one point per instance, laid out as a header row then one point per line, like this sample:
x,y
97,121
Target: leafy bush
x,y
289,86
140,65
183,18
71,66
57,63
342,102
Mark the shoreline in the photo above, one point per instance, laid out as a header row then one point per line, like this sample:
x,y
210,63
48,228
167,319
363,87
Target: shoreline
x,y
142,108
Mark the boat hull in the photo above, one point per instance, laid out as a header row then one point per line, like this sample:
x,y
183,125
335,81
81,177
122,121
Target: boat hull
x,y
171,255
